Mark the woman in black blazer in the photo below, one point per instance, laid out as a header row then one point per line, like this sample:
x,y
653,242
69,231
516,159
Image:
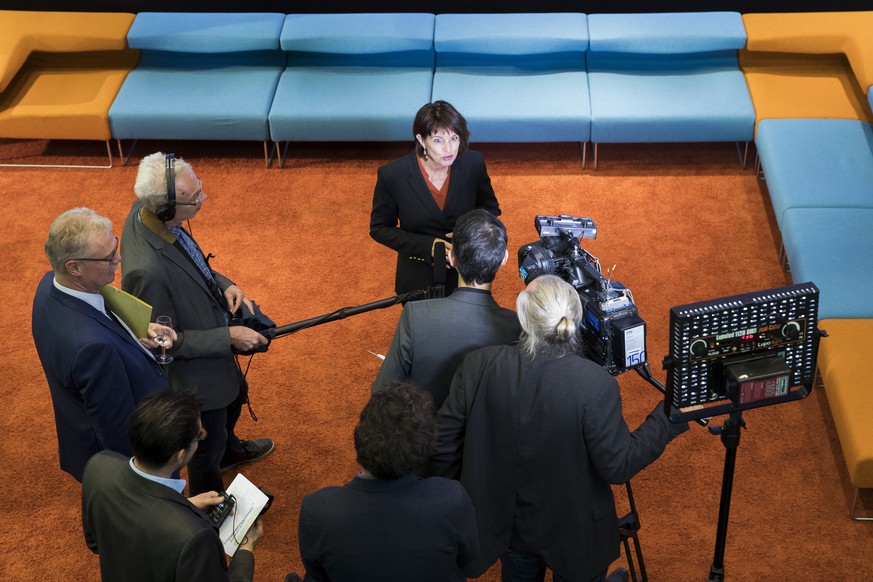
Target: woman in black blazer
x,y
419,197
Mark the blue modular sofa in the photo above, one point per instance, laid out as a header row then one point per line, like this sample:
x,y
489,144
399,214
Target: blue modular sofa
x,y
200,76
352,77
833,247
820,178
816,163
516,77
668,77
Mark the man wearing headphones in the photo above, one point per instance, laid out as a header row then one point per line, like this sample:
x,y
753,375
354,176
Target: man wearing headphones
x,y
163,265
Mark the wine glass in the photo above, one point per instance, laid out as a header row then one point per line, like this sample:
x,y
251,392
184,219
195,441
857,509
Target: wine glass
x,y
163,339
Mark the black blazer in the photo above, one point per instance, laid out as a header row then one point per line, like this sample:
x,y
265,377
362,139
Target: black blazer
x,y
537,443
406,530
145,531
401,196
96,372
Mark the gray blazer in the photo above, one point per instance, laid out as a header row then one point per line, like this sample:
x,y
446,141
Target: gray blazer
x,y
432,337
159,273
146,531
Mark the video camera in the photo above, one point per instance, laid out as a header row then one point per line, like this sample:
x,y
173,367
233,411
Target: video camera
x,y
612,333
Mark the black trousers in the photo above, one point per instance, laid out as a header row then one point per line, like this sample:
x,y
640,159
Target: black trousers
x,y
204,470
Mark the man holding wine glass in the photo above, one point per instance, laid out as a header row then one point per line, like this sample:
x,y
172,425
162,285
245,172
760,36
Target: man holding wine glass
x,y
165,267
97,369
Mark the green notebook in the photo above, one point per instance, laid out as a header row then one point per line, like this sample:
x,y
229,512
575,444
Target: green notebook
x,y
135,312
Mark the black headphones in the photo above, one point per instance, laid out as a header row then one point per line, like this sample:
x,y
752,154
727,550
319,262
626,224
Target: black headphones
x,y
167,210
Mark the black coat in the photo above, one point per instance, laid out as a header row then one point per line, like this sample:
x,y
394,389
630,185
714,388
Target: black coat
x,y
537,443
406,530
401,196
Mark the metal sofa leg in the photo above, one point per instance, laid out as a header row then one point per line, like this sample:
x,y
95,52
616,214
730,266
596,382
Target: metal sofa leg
x,y
855,516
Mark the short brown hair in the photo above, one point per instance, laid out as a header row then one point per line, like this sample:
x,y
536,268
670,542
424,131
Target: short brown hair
x,y
436,116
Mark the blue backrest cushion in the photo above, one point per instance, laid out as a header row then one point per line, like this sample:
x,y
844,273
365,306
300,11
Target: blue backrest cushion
x,y
383,39
672,40
205,33
546,40
194,62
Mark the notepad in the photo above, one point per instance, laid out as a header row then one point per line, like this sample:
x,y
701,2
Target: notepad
x,y
135,312
249,502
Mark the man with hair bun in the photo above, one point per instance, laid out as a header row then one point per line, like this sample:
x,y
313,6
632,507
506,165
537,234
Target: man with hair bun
x,y
535,434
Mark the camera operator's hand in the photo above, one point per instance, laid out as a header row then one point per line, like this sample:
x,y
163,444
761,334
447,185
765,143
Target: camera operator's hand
x,y
244,339
206,500
445,242
253,536
235,298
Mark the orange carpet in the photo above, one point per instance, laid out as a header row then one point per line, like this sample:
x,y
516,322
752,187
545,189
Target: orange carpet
x,y
681,223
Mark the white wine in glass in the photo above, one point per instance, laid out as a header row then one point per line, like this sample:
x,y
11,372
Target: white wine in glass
x,y
163,339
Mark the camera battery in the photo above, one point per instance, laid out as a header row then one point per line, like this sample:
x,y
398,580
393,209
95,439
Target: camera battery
x,y
758,379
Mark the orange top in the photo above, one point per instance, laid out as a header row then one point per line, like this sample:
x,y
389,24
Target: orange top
x,y
439,194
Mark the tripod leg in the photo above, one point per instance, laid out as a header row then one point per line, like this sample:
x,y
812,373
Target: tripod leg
x,y
730,438
628,527
630,559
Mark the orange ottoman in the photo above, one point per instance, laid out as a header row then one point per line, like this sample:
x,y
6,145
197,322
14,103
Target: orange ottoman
x,y
60,72
809,65
847,371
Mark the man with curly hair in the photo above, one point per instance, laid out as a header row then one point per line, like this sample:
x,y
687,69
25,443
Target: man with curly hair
x,y
387,523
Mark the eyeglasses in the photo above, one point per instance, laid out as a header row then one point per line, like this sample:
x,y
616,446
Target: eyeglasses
x,y
202,436
108,259
198,194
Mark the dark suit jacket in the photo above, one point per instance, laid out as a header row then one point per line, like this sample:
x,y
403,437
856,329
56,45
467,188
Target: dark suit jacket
x,y
159,273
433,337
407,530
536,443
96,372
146,531
401,194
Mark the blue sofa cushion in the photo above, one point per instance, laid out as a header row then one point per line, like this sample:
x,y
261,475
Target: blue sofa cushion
x,y
353,77
197,102
515,77
546,107
348,103
833,248
702,106
200,76
547,40
668,77
388,39
674,33
816,163
204,32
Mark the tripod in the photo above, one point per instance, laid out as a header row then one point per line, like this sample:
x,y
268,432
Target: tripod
x,y
730,438
628,526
